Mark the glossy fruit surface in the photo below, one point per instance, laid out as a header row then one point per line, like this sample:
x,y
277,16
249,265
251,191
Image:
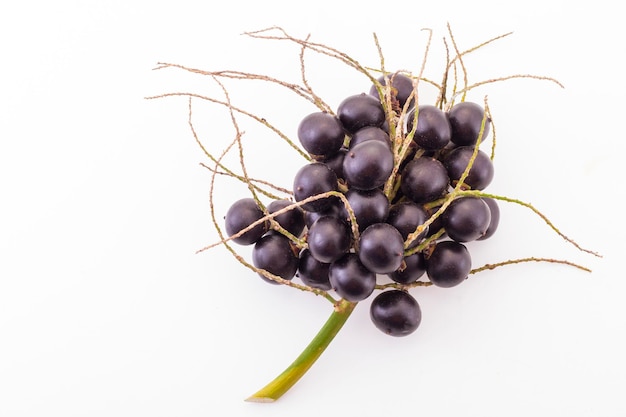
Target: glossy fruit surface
x,y
437,225
406,217
466,219
241,214
360,110
321,134
291,220
368,165
449,264
273,253
401,88
494,209
313,272
381,248
351,279
424,179
433,129
413,268
369,133
395,313
335,208
328,238
466,119
369,207
335,162
313,179
480,174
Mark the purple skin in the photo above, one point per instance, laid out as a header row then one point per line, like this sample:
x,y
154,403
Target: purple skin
x,y
351,279
449,264
360,110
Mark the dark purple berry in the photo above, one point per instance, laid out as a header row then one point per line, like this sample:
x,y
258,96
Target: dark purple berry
x,y
495,218
335,162
334,209
433,129
424,179
241,214
368,165
395,313
369,133
381,248
466,219
360,110
369,207
406,217
436,225
412,269
329,238
313,272
291,220
401,88
274,253
321,134
480,174
351,279
311,180
449,264
466,119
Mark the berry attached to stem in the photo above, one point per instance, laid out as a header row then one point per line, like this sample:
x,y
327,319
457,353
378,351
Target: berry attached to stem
x,y
391,186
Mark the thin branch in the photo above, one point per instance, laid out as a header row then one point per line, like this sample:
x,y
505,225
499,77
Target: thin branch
x,y
537,212
261,120
253,181
509,77
525,260
317,100
303,92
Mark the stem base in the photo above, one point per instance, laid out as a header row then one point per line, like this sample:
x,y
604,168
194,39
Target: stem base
x,y
288,378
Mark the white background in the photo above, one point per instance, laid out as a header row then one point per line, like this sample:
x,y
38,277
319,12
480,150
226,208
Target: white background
x,y
106,310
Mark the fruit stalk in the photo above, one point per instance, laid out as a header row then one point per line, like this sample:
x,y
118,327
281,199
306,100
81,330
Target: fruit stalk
x,y
283,382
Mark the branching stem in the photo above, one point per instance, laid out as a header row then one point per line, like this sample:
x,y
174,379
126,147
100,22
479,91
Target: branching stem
x,y
401,144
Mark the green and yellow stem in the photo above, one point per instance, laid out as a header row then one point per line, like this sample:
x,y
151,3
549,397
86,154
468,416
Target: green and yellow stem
x,y
288,378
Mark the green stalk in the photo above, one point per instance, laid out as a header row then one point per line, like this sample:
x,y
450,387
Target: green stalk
x,y
283,382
